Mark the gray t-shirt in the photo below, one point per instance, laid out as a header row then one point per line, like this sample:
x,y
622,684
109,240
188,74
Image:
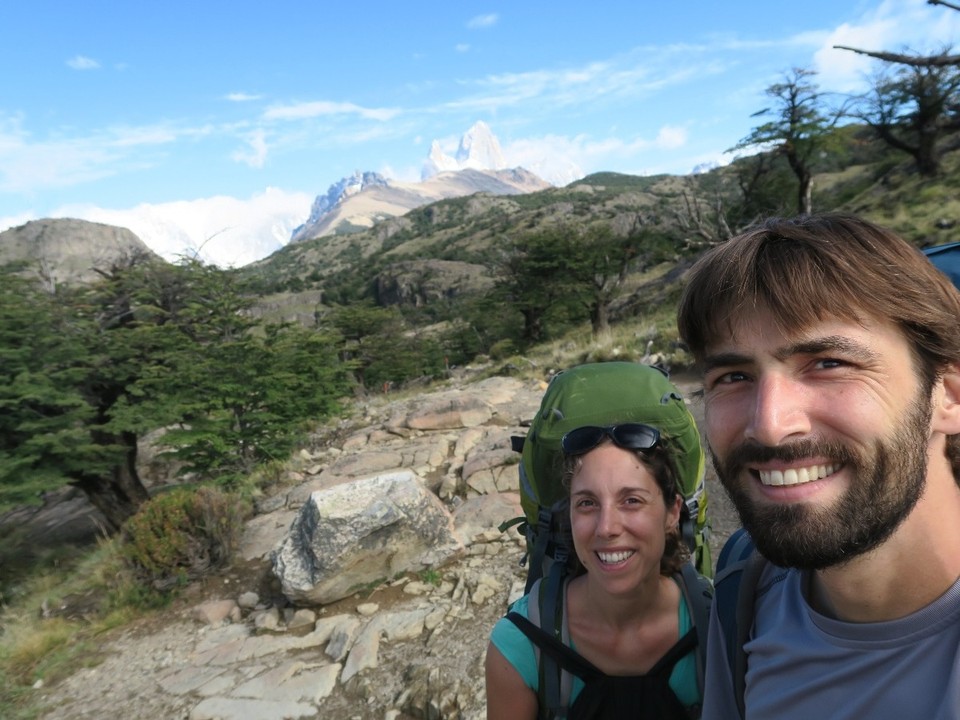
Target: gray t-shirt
x,y
803,665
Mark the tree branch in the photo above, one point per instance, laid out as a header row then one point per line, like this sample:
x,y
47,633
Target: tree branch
x,y
944,3
901,59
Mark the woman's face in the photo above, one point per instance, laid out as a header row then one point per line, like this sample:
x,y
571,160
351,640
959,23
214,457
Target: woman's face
x,y
618,518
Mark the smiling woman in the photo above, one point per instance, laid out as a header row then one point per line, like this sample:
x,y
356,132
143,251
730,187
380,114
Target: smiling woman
x,y
627,641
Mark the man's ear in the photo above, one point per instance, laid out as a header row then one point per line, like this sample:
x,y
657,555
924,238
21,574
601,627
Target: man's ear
x,y
946,402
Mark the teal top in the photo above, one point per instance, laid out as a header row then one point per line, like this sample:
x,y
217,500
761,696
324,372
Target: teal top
x,y
520,653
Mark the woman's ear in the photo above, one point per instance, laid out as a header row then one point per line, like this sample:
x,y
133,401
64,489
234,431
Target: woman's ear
x,y
673,514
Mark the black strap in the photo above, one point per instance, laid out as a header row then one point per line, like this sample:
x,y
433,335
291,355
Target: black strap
x,y
657,679
565,656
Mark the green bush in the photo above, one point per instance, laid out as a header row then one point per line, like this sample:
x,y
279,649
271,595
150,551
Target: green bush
x,y
181,535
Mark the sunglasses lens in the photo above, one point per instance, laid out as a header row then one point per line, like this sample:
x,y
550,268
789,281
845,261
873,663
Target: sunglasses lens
x,y
579,441
635,436
632,436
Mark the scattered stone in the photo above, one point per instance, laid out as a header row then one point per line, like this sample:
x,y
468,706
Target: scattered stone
x,y
214,612
367,609
248,600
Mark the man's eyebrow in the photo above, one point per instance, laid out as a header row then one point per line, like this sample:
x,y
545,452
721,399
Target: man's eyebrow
x,y
725,359
830,343
810,346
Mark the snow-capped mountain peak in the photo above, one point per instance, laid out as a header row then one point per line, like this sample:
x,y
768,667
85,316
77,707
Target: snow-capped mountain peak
x,y
479,149
336,193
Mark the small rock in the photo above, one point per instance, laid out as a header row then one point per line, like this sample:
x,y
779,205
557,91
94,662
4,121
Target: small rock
x,y
367,609
248,600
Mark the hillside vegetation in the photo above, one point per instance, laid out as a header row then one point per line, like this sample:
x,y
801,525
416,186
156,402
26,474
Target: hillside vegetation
x,y
665,222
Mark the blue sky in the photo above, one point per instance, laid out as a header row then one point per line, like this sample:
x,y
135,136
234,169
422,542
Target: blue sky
x,y
158,106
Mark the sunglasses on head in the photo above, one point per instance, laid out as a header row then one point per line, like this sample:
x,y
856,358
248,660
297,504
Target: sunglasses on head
x,y
630,436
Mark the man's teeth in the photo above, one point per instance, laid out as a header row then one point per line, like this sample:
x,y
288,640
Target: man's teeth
x,y
614,557
796,476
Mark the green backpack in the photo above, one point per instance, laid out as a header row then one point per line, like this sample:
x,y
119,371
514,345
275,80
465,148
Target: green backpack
x,y
603,394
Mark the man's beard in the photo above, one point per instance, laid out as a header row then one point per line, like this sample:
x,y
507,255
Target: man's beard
x,y
884,488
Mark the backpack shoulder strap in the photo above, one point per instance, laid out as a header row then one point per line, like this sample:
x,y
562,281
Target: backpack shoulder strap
x,y
698,594
739,568
547,613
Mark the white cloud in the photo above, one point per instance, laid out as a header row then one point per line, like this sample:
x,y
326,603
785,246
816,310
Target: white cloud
x,y
241,97
462,47
10,221
26,167
146,135
223,230
320,108
670,138
481,22
257,154
81,62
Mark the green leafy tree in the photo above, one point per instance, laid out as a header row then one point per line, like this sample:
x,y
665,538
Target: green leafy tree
x,y
535,277
252,397
798,129
601,260
43,413
86,373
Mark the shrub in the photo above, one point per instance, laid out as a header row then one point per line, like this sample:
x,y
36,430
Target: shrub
x,y
181,535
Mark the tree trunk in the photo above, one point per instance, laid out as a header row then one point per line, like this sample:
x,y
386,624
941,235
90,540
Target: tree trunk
x,y
805,195
927,157
121,493
600,318
532,325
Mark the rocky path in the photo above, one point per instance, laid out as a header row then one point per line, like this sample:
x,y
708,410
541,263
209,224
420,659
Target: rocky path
x,y
233,648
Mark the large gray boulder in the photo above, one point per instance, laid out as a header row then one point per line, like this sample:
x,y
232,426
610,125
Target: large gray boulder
x,y
350,535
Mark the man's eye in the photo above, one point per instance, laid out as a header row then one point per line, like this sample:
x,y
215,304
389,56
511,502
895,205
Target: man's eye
x,y
828,363
727,378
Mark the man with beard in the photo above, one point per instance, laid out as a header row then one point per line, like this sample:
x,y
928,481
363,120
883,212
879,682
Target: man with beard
x,y
830,351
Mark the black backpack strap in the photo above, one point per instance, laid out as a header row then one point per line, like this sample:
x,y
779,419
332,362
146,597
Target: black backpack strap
x,y
739,568
565,656
698,594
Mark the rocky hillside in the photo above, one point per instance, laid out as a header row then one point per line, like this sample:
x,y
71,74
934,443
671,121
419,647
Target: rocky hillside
x,y
234,647
66,251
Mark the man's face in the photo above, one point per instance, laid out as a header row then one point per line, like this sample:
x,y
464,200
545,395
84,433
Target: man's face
x,y
820,438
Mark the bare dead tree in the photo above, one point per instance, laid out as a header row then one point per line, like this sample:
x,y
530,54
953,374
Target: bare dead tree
x,y
704,219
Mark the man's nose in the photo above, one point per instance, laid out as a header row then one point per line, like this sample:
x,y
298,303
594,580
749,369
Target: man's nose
x,y
779,410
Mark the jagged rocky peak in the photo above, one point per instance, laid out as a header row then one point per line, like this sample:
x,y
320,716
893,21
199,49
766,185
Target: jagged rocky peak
x,y
479,149
344,188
